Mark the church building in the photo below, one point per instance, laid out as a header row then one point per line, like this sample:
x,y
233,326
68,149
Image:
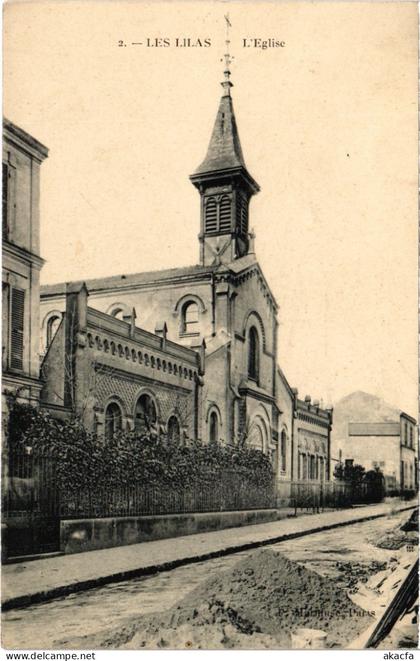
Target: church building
x,y
190,350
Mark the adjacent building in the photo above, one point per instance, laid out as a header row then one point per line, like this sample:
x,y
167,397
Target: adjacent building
x,y
22,158
377,435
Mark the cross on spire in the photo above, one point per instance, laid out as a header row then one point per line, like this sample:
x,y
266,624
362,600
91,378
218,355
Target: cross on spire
x,y
228,59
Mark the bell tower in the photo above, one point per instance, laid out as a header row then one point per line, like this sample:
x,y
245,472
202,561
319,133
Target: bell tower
x,y
225,187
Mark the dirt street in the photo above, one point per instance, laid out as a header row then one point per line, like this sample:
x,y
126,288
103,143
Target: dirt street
x,y
222,603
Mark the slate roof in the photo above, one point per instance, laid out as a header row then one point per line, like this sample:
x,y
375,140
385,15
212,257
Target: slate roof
x,y
132,279
150,277
224,150
224,153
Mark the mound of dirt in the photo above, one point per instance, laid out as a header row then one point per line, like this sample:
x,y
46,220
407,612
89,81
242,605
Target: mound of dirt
x,y
395,539
257,604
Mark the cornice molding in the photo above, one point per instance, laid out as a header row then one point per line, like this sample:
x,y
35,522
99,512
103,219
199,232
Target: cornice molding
x,y
27,256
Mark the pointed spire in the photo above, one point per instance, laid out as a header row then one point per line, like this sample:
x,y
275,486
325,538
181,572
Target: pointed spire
x,y
227,84
224,153
224,150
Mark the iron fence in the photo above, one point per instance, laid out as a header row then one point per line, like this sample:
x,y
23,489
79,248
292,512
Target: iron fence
x,y
30,504
318,496
226,492
29,483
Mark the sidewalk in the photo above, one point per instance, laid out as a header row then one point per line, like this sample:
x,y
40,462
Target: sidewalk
x,y
40,580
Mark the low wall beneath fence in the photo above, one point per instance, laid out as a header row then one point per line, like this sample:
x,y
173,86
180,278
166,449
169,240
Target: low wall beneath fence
x,y
77,535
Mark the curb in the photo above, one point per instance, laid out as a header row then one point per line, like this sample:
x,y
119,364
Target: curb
x,y
64,590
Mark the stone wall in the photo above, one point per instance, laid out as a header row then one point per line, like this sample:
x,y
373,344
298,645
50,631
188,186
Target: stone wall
x,y
91,534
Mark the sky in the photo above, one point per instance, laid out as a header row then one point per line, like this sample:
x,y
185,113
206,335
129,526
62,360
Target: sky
x,y
328,126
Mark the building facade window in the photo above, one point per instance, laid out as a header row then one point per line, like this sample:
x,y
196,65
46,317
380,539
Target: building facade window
x,y
253,354
189,318
304,467
118,313
5,197
283,450
174,431
113,420
145,416
8,198
17,320
218,215
242,214
213,427
211,215
256,438
52,327
5,324
225,215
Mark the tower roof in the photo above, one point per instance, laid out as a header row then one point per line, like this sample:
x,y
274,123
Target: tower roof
x,y
224,153
224,150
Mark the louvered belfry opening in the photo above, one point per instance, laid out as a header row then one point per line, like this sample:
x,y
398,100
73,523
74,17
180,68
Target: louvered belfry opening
x,y
17,328
211,215
225,214
242,214
218,215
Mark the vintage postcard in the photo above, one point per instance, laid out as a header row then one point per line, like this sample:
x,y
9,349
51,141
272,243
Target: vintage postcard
x,y
209,340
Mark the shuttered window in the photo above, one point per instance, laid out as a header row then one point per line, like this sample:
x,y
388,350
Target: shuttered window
x,y
218,215
225,214
211,215
242,214
5,197
17,328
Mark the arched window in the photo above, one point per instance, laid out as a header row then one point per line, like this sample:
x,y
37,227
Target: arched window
x,y
118,313
225,214
283,450
213,427
256,438
253,353
211,215
174,431
112,420
52,327
189,323
145,414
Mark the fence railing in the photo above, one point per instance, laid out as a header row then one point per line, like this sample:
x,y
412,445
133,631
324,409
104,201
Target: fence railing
x,y
318,496
226,493
31,485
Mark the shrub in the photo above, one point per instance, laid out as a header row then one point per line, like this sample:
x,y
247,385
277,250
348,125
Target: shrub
x,y
85,460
